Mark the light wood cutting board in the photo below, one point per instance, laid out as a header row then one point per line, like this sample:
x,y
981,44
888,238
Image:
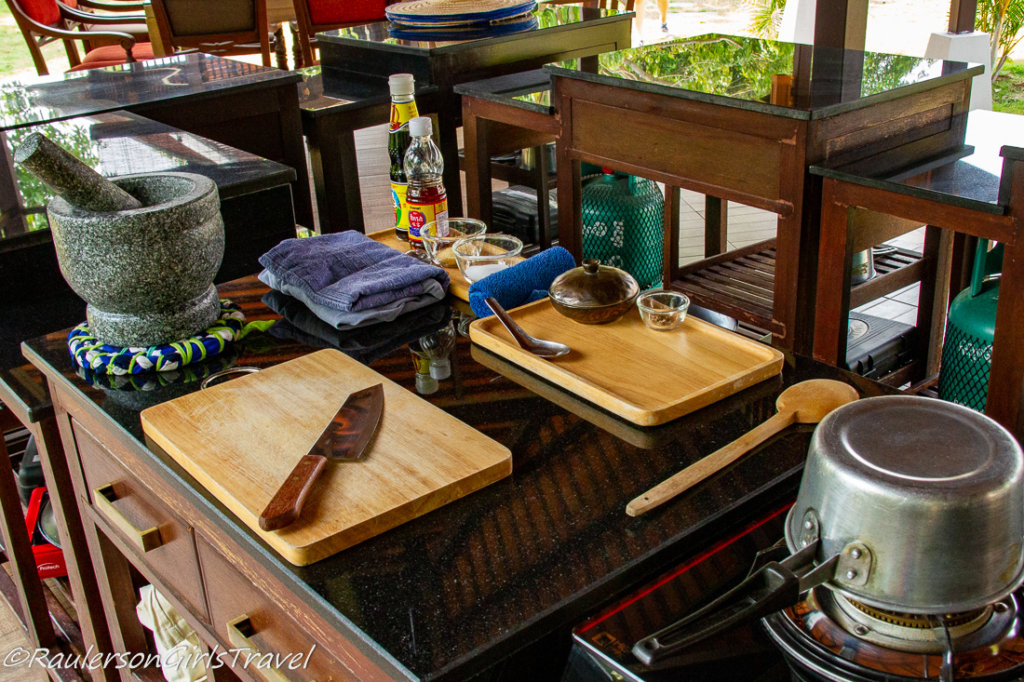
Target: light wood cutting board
x,y
647,377
241,438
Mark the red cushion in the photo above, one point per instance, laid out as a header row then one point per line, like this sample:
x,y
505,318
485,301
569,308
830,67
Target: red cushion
x,y
112,55
73,4
345,11
45,12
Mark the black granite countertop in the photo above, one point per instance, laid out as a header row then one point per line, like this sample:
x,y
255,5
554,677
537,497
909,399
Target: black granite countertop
x,y
738,72
34,100
453,592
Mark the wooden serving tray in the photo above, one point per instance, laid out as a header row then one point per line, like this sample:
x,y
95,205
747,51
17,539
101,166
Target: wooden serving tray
x,y
241,438
644,376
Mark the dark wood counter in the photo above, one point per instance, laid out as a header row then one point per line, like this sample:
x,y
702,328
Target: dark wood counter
x,y
741,119
501,575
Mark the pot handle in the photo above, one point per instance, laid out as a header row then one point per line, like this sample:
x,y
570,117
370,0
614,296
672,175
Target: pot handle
x,y
773,586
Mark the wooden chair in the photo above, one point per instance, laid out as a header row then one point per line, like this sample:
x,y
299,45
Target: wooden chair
x,y
220,27
107,38
315,16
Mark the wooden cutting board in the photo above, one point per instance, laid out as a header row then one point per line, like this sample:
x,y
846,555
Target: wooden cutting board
x,y
647,377
241,438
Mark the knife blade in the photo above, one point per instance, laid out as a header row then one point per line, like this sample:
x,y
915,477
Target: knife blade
x,y
346,438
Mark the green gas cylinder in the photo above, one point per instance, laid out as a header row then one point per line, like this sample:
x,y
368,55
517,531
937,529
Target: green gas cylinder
x,y
623,219
970,331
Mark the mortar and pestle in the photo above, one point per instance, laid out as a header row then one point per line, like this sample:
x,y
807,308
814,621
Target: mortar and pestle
x,y
141,250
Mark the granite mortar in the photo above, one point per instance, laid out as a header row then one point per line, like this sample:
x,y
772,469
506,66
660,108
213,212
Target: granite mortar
x,y
146,273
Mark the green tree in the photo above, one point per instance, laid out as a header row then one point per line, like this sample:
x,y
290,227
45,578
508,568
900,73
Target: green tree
x,y
73,137
1003,20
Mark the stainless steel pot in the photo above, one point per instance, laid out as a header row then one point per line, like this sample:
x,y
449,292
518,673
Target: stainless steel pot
x,y
906,503
922,501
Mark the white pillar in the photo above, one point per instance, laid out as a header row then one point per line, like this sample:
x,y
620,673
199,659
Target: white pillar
x,y
966,47
798,22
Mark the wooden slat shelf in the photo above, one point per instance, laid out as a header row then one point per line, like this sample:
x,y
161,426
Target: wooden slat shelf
x,y
740,283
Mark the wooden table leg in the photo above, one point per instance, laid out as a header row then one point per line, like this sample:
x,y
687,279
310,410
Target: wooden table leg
x,y
32,602
833,295
1006,380
570,202
86,594
12,210
478,168
541,172
932,301
670,248
448,119
332,154
716,219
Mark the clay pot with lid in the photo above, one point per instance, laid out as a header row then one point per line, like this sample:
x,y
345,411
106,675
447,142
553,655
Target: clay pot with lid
x,y
593,293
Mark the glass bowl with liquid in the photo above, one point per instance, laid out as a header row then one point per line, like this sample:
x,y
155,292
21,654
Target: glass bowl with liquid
x,y
439,237
483,255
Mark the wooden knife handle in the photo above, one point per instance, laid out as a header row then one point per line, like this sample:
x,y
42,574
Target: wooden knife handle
x,y
287,502
711,464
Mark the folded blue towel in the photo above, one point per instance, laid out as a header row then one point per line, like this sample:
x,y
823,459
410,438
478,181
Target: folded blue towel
x,y
522,283
348,279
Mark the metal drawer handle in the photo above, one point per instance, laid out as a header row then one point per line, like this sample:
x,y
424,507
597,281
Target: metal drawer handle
x,y
103,498
239,631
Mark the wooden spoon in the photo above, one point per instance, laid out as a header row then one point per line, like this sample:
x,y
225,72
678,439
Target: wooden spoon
x,y
804,403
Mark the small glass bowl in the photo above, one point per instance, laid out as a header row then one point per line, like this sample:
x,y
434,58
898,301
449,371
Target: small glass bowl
x,y
438,240
662,310
483,255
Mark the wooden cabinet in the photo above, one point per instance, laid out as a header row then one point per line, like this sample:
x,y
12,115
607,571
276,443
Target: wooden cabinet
x,y
144,527
164,546
244,617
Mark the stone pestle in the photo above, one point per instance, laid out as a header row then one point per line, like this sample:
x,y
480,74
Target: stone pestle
x,y
79,185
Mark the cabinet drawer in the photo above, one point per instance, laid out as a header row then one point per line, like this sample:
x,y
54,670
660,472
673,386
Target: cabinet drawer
x,y
162,544
243,617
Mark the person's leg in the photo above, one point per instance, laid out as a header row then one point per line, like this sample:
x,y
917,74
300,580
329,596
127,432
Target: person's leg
x,y
639,10
663,10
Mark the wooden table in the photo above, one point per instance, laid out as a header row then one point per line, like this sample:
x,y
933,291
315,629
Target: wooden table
x,y
493,580
564,32
257,209
749,138
977,190
245,106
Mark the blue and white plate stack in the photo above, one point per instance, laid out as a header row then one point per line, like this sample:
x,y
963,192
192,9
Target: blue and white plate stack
x,y
441,20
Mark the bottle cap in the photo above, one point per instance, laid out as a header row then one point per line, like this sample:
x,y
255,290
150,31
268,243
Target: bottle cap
x,y
421,126
401,84
440,368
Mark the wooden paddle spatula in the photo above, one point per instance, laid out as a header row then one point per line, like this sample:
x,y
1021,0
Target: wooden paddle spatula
x,y
806,402
345,439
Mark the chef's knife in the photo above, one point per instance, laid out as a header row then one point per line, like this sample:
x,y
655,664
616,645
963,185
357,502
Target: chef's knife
x,y
345,439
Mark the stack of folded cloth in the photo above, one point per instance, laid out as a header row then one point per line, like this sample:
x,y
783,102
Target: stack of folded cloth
x,y
365,344
522,283
349,281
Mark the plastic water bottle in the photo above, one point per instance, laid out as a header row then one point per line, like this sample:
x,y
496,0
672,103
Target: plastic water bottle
x,y
424,166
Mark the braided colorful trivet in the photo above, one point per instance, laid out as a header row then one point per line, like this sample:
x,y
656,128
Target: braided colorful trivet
x,y
99,358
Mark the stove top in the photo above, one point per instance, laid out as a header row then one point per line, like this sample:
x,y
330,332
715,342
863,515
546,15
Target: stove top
x,y
804,642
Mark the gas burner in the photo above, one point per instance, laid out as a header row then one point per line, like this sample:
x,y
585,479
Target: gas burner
x,y
914,632
830,637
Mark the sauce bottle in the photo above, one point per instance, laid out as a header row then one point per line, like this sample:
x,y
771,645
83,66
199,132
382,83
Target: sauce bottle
x,y
424,165
403,110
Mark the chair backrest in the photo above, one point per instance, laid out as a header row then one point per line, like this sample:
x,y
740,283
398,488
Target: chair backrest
x,y
314,16
223,27
33,18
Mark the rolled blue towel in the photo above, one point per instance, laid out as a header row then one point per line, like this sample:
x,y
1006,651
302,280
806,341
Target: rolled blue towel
x,y
522,283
